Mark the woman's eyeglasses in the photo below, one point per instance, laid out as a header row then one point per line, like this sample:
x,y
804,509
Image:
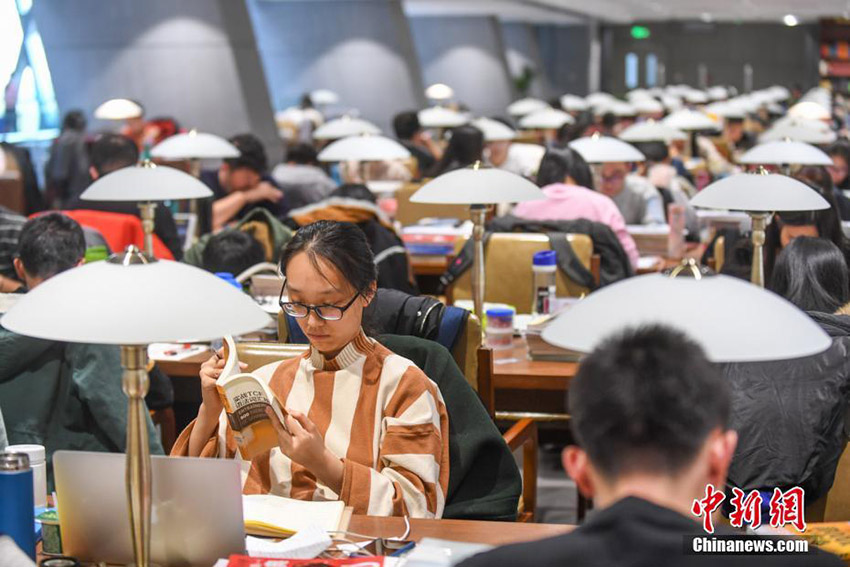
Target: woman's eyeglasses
x,y
324,312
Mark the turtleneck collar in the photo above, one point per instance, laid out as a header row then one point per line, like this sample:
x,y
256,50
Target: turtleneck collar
x,y
359,347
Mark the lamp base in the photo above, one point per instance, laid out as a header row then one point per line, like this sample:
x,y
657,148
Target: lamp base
x,y
147,212
759,225
478,213
135,384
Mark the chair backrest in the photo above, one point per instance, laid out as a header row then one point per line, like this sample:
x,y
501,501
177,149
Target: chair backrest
x,y
119,230
408,213
12,192
507,267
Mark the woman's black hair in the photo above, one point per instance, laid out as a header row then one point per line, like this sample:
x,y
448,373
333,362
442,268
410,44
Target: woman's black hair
x,y
342,244
354,191
466,146
826,221
558,163
812,274
841,148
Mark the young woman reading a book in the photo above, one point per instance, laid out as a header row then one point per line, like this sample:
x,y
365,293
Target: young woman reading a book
x,y
360,424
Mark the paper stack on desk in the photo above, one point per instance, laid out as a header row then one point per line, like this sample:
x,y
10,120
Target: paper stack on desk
x,y
538,349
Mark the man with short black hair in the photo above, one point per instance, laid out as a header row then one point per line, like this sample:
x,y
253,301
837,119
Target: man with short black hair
x,y
650,414
60,395
232,251
111,152
242,184
420,145
302,181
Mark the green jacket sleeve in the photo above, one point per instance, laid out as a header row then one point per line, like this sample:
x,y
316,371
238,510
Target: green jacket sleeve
x,y
96,371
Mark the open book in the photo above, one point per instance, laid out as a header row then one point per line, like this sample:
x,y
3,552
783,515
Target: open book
x,y
245,398
276,516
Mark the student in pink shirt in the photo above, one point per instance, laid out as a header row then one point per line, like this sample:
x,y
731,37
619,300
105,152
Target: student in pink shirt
x,y
565,178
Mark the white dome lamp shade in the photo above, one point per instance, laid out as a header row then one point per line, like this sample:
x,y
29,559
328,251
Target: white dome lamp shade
x,y
808,131
439,91
785,153
748,323
131,300
759,195
441,117
809,110
605,149
119,109
343,127
494,131
194,145
146,184
546,119
363,149
651,131
324,97
573,103
525,106
478,186
648,106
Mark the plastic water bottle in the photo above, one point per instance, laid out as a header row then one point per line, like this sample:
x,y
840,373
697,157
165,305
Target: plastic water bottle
x,y
543,267
17,516
229,278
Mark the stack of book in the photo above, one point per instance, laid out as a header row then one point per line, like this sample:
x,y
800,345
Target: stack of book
x,y
538,349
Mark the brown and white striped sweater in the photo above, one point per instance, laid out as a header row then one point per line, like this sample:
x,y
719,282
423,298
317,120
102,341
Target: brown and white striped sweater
x,y
377,412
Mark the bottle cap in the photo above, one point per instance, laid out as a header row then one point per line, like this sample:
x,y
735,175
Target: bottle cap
x,y
14,462
34,452
545,258
500,312
229,278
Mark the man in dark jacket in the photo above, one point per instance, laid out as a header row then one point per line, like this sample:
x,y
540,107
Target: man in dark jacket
x,y
653,434
60,395
111,152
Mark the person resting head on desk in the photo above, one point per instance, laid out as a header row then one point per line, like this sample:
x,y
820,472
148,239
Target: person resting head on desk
x,y
650,414
362,424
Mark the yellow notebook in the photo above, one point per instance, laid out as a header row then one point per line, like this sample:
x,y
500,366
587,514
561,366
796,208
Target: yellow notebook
x,y
276,516
833,537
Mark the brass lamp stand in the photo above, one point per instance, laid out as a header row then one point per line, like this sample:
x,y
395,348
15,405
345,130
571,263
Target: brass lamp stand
x,y
479,215
138,475
148,211
135,383
758,236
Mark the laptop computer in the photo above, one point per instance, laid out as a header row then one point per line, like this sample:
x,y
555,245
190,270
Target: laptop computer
x,y
196,515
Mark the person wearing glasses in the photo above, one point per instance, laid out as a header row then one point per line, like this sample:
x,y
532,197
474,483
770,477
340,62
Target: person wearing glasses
x,y
361,424
638,200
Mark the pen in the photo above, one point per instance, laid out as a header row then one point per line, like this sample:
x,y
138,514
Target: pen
x,y
402,550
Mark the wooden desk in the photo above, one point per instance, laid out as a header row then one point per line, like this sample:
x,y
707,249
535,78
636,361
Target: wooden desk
x,y
429,265
527,374
492,533
186,368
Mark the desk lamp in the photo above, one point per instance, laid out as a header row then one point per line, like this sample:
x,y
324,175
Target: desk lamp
x,y
651,131
478,186
743,323
439,91
146,183
344,127
323,97
573,103
799,130
525,106
759,195
118,109
194,146
809,110
785,153
494,131
545,119
441,117
363,149
691,121
133,300
597,150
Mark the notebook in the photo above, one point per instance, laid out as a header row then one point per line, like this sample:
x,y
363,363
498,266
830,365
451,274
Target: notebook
x,y
276,516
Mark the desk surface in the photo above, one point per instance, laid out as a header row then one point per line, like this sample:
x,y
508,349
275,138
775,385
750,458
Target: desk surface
x,y
492,533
